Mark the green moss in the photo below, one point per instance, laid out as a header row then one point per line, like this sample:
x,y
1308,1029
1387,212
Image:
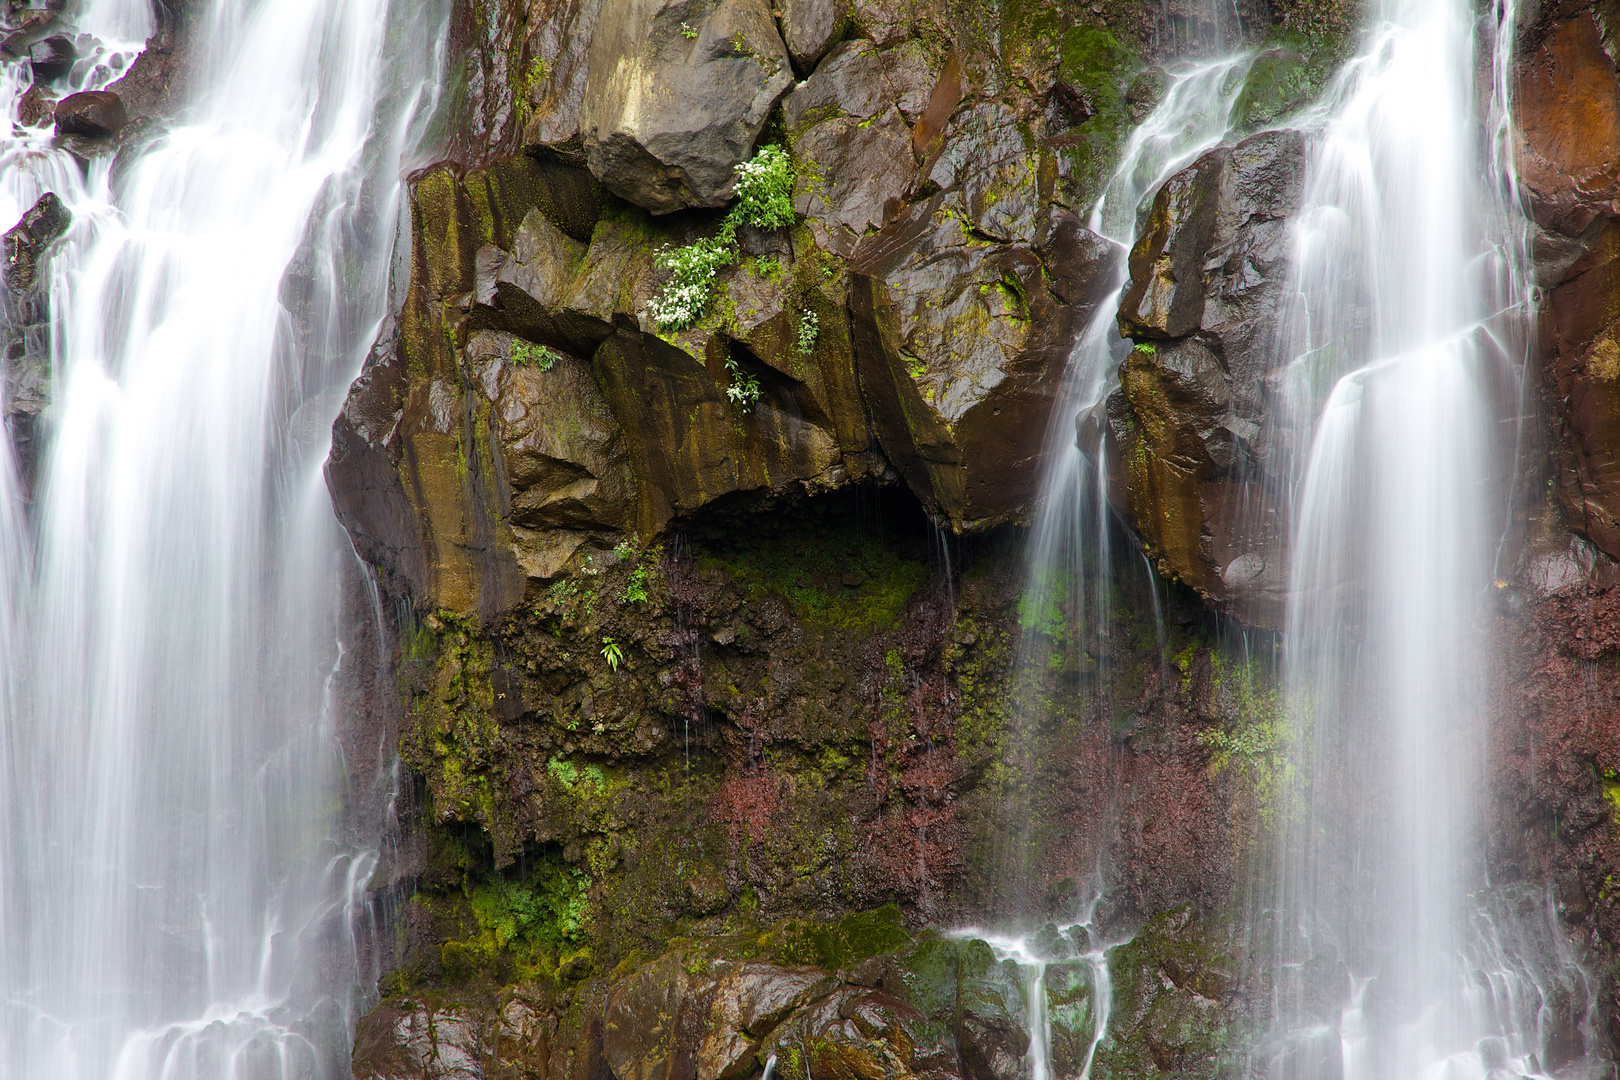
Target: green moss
x,y
520,927
853,938
813,579
1288,75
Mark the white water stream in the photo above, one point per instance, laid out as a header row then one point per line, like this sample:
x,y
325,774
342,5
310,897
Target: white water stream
x,y
1393,957
1409,332
182,871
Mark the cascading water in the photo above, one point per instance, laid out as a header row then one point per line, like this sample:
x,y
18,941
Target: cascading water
x,y
182,862
1070,541
1409,336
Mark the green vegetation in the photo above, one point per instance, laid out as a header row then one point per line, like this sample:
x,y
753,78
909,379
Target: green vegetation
x,y
744,389
863,586
612,653
518,926
764,200
809,332
635,590
527,354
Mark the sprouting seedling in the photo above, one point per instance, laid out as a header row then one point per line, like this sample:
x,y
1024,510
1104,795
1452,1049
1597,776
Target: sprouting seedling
x,y
688,31
612,653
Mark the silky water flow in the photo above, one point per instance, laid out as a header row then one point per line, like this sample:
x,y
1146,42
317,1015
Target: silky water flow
x,y
1063,966
1393,957
1390,954
183,875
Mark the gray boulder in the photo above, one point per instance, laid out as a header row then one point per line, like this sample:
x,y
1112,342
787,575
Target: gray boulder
x,y
676,97
809,27
853,146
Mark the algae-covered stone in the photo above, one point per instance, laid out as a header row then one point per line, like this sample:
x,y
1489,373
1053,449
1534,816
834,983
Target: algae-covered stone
x,y
1277,84
561,451
677,95
1170,984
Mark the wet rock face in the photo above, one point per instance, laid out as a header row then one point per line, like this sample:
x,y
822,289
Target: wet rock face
x,y
960,344
677,94
26,316
1184,430
98,114
1568,110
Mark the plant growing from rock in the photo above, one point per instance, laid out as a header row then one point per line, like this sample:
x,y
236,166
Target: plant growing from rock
x,y
744,388
612,653
635,590
525,354
809,331
764,200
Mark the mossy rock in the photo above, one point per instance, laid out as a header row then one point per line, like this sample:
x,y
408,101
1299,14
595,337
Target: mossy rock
x,y
1279,82
855,937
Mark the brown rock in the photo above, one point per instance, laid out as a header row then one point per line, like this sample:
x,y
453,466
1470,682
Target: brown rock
x,y
1567,105
95,113
960,344
35,107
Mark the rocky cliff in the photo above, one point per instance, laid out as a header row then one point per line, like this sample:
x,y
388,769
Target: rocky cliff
x,y
720,686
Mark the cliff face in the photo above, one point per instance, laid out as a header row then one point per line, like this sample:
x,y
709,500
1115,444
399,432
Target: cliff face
x,y
719,682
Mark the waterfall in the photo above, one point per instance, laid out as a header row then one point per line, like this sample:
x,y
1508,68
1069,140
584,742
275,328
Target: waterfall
x,y
1069,545
1408,337
184,862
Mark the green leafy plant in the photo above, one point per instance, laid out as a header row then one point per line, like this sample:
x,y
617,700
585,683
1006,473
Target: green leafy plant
x,y
612,653
688,32
765,189
764,200
744,388
526,354
1146,348
635,590
809,331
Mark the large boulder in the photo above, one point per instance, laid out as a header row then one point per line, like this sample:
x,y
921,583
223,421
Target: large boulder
x,y
962,345
96,113
809,27
1186,432
852,144
676,96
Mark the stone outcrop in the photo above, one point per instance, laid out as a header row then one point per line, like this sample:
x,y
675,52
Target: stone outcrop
x,y
677,95
938,328
98,114
1186,428
26,316
1568,155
